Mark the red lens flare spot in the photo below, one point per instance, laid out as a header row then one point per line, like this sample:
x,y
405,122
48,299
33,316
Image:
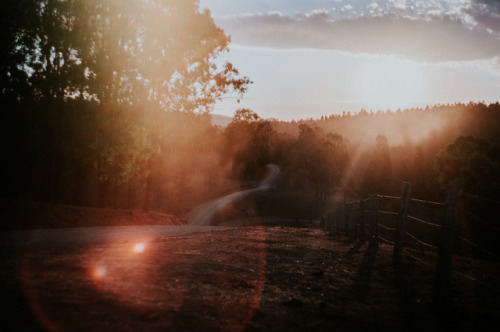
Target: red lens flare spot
x,y
139,247
100,272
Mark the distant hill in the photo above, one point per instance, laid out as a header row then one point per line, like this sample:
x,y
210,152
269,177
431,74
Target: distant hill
x,y
221,120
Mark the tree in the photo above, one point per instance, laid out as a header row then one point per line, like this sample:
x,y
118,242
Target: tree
x,y
248,141
177,66
378,176
38,67
244,114
324,157
16,37
125,64
474,161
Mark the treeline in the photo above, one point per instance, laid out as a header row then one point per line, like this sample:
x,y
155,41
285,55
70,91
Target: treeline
x,y
364,153
104,98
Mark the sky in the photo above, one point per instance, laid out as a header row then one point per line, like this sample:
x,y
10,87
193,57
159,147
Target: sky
x,y
314,58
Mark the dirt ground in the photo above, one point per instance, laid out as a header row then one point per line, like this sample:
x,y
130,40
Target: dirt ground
x,y
18,215
245,275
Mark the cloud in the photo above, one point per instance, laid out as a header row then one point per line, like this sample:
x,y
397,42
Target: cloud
x,y
429,38
486,13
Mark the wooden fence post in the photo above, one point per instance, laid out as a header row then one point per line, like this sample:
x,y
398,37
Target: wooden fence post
x,y
344,220
336,218
374,207
340,220
444,264
401,229
361,221
353,219
348,217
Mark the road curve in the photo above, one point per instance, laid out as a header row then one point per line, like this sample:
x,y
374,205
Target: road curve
x,y
202,215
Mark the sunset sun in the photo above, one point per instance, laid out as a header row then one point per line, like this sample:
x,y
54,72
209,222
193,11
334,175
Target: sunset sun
x,y
390,84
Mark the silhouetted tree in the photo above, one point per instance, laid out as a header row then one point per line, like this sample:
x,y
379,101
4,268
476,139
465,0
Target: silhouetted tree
x,y
124,64
324,157
474,161
248,141
378,175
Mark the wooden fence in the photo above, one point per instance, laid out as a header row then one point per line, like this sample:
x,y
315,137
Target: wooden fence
x,y
372,218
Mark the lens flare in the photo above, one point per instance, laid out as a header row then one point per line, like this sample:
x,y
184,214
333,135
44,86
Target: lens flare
x,y
139,247
100,272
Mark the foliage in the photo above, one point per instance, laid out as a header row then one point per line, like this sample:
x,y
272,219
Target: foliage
x,y
378,176
93,84
248,143
386,148
324,157
474,161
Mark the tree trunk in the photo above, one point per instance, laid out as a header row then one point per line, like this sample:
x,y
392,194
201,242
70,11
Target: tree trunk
x,y
115,194
56,176
102,194
149,187
129,201
77,190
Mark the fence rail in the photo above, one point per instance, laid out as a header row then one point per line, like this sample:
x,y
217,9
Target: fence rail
x,y
393,228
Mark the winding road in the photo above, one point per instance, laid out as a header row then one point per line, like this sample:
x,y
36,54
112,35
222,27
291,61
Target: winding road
x,y
204,214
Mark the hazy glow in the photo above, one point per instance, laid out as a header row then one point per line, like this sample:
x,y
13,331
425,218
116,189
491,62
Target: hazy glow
x,y
389,84
139,247
100,272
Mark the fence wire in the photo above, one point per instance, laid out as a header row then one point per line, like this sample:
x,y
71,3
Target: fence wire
x,y
387,228
367,211
426,202
392,197
423,221
425,244
386,241
421,260
463,275
460,274
482,198
478,247
482,221
466,276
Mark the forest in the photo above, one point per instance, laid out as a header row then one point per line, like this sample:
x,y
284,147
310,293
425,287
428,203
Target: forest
x,y
97,115
98,95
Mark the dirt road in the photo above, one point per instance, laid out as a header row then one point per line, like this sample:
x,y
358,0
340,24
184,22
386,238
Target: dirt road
x,y
204,214
278,277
